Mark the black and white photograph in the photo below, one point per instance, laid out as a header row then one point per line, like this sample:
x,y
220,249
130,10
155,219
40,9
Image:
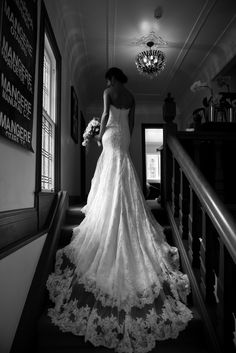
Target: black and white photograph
x,y
117,176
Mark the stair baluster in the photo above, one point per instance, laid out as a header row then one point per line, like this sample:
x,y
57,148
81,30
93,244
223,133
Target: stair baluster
x,y
194,227
183,206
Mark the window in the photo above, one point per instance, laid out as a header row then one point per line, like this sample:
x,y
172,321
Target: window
x,y
48,153
153,167
48,119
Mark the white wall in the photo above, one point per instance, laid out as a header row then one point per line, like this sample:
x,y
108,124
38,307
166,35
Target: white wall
x,y
16,274
17,176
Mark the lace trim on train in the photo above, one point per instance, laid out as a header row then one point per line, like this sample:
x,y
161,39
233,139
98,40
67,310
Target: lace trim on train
x,y
59,286
127,333
133,335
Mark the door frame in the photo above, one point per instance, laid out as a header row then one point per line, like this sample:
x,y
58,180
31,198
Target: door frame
x,y
144,127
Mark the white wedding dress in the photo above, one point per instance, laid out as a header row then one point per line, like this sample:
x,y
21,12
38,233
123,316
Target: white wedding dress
x,y
117,282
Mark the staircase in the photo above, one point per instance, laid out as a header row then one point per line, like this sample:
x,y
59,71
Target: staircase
x,y
51,340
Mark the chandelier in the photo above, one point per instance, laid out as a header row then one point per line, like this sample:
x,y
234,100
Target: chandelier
x,y
150,62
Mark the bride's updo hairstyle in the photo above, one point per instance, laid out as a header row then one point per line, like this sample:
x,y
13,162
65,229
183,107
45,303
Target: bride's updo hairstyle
x,y
117,73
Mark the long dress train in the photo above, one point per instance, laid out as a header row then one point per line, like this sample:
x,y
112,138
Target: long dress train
x,y
118,282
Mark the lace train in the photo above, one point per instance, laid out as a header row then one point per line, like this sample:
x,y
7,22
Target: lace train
x,y
83,309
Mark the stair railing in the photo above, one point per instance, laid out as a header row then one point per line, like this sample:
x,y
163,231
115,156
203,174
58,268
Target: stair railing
x,y
205,233
25,339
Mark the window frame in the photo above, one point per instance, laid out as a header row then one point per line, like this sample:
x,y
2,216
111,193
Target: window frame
x,y
46,30
49,113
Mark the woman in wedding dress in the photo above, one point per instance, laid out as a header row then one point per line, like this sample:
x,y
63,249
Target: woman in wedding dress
x,y
118,281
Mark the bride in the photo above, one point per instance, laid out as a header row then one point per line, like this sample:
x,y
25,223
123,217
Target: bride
x,y
118,281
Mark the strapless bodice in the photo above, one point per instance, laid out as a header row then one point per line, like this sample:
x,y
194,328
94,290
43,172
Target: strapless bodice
x,y
117,135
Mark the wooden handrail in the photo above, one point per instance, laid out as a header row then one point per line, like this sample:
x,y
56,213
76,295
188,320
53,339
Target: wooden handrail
x,y
36,298
221,218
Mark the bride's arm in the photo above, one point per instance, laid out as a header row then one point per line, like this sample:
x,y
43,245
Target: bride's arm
x,y
105,115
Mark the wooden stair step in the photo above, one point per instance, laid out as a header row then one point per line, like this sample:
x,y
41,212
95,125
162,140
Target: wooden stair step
x,y
158,212
66,234
75,209
74,216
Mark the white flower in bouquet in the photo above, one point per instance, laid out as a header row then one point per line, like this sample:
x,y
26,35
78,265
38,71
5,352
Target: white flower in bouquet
x,y
91,130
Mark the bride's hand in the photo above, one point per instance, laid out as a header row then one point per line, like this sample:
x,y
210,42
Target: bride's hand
x,y
98,140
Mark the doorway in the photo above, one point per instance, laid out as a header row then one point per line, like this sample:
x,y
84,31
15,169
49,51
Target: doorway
x,y
152,142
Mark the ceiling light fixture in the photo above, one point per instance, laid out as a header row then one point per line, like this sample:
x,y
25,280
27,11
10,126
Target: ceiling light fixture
x,y
150,62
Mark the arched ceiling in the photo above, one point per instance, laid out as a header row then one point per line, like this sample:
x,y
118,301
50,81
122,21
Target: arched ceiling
x,y
101,34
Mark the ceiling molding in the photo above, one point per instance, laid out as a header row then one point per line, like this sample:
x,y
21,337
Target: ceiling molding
x,y
95,35
193,34
212,48
83,35
69,33
111,20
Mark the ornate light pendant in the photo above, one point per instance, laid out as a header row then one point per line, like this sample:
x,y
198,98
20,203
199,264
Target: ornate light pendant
x,y
150,62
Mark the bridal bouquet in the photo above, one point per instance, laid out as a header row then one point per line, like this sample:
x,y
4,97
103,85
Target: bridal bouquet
x,y
91,130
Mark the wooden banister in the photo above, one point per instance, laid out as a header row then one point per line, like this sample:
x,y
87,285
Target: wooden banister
x,y
204,229
214,207
37,296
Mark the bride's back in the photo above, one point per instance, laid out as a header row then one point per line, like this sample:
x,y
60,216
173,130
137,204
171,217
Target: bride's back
x,y
120,97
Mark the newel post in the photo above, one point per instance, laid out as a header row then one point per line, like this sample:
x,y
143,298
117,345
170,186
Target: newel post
x,y
169,128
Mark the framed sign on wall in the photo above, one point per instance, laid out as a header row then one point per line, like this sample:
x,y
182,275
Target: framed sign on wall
x,y
18,36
